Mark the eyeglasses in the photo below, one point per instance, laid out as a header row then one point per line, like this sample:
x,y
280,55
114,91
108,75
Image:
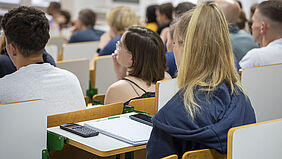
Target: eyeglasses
x,y
118,47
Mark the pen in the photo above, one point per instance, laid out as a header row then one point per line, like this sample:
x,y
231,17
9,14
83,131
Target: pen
x,y
112,117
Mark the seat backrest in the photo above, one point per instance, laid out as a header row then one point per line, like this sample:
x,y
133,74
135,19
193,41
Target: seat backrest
x,y
52,50
165,90
79,67
58,41
80,50
23,129
263,87
85,115
260,141
147,105
171,157
104,73
203,154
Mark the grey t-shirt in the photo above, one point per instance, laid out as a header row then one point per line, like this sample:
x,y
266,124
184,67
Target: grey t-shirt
x,y
59,88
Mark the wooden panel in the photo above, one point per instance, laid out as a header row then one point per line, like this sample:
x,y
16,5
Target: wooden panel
x,y
80,68
203,154
84,115
263,87
260,140
165,90
171,157
147,105
104,73
99,97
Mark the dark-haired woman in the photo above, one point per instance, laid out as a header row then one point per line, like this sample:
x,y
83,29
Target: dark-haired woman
x,y
140,53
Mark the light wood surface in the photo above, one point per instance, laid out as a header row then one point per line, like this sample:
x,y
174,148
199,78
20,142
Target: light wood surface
x,y
261,139
104,73
84,115
99,97
171,157
203,154
147,105
101,145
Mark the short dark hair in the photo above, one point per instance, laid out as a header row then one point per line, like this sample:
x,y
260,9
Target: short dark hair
x,y
151,13
27,28
148,54
183,7
87,17
55,6
67,15
271,9
167,9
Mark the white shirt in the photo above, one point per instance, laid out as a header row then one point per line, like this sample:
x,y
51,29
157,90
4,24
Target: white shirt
x,y
271,54
59,88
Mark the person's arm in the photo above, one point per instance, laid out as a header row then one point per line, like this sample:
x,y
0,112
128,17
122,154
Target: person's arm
x,y
104,40
251,59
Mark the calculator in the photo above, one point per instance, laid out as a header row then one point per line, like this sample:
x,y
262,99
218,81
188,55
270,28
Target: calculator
x,y
79,130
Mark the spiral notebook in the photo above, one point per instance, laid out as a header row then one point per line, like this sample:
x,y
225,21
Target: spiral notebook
x,y
123,129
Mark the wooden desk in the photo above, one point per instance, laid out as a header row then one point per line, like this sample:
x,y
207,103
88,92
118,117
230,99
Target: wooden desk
x,y
101,145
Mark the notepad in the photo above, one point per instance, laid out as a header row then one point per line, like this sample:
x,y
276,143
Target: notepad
x,y
123,129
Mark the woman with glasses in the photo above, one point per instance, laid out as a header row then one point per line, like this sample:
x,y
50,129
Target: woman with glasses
x,y
139,62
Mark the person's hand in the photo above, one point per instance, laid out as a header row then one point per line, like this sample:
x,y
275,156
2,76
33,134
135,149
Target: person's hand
x,y
104,40
119,69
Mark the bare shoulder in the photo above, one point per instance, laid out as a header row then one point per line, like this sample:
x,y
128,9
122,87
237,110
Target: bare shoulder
x,y
117,92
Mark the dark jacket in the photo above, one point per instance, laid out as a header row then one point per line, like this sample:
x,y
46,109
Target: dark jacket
x,y
7,66
88,34
174,131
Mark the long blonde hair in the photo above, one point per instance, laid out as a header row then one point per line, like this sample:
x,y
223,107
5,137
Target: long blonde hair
x,y
208,58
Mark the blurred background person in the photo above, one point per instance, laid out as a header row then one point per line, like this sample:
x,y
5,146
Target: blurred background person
x,y
84,27
151,18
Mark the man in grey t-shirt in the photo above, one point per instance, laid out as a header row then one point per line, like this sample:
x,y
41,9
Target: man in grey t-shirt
x,y
26,31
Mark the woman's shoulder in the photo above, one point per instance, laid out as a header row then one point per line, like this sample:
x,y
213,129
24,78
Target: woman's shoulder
x,y
117,92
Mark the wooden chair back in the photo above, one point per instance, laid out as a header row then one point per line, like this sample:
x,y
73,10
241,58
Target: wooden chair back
x,y
79,50
84,115
171,157
99,97
79,67
104,73
263,87
52,50
203,154
165,90
147,105
23,129
58,41
259,141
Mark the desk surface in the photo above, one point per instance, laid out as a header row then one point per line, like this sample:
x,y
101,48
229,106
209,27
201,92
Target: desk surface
x,y
100,145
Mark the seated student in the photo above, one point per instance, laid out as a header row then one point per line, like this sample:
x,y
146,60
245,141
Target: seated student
x,y
6,64
26,31
164,16
141,53
84,28
151,21
241,41
211,99
119,19
267,32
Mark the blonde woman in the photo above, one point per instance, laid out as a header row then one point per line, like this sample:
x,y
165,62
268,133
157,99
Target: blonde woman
x,y
119,19
210,100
